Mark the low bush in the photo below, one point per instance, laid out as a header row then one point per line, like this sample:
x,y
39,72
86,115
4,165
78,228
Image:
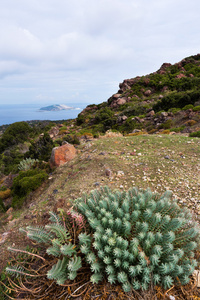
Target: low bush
x,y
5,194
15,133
177,129
24,183
177,100
72,139
190,123
196,108
174,110
189,106
41,149
167,124
195,134
166,131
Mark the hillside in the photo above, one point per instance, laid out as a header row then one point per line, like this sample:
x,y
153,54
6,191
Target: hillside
x,y
146,136
157,161
166,99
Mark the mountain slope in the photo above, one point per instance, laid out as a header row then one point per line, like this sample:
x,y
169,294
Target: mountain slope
x,y
139,102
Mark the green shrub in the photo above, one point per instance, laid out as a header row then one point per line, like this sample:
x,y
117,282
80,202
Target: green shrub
x,y
133,109
58,142
195,134
196,108
41,149
177,129
105,117
129,125
63,128
24,183
10,160
72,139
174,110
177,100
80,119
15,133
138,238
167,124
189,106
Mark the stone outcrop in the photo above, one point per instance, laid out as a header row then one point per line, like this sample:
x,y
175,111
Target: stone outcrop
x,y
163,68
121,119
53,132
118,101
62,154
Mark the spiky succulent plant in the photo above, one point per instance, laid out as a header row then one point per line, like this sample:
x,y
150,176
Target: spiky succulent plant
x,y
27,163
138,238
57,239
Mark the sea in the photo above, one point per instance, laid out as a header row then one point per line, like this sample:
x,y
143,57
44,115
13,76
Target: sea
x,y
28,112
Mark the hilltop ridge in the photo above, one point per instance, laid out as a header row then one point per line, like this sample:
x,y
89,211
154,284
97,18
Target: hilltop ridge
x,y
139,102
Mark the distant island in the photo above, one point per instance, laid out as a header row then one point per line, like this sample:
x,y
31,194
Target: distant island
x,y
56,107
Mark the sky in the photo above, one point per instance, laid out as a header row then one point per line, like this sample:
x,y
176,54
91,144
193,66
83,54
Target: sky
x,y
78,51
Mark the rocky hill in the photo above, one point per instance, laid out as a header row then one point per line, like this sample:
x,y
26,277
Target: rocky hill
x,y
166,99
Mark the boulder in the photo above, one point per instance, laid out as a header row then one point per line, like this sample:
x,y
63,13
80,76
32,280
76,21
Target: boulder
x,y
53,132
147,93
116,96
121,101
121,119
62,154
181,75
164,114
151,113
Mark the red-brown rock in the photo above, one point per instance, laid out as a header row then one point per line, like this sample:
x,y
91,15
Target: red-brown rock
x,y
62,154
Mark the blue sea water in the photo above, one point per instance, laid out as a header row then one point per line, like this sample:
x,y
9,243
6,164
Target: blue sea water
x,y
16,113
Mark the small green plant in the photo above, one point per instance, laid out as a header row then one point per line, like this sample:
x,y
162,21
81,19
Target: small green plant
x,y
196,108
189,106
58,241
177,129
27,163
195,134
174,110
138,238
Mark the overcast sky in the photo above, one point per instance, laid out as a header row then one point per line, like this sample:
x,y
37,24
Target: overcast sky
x,y
65,51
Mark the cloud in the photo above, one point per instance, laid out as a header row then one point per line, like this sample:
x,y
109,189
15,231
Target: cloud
x,y
85,48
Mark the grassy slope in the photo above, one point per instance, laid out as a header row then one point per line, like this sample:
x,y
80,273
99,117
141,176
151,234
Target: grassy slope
x,y
157,161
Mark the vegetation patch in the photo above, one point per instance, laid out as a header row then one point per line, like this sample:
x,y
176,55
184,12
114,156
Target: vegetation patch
x,y
24,183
